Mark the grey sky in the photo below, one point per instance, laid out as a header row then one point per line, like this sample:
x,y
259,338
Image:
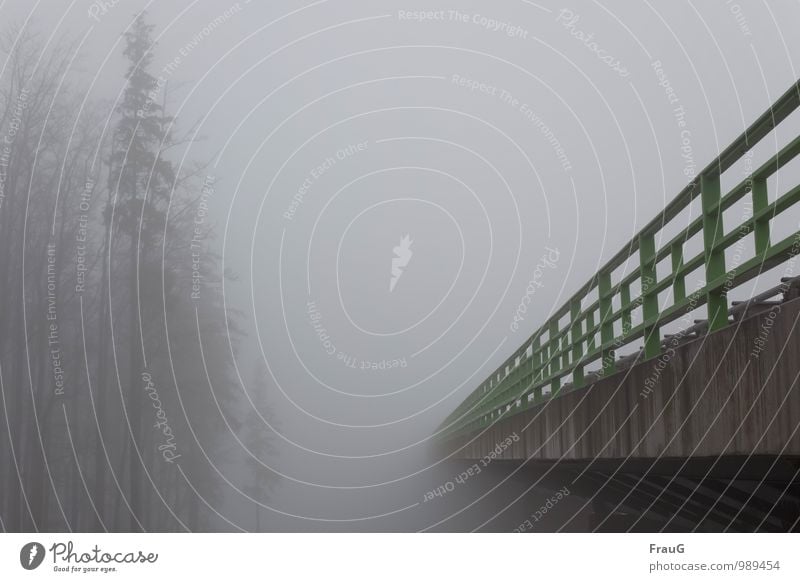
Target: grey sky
x,y
487,135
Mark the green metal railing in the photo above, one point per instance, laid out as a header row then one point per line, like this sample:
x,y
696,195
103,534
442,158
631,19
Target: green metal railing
x,y
577,335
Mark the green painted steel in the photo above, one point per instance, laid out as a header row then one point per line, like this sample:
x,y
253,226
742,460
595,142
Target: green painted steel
x,y
556,356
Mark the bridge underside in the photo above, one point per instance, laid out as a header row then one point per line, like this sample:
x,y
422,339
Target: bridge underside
x,y
744,494
705,436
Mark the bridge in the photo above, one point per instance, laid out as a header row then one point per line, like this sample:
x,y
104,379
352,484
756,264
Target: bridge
x,y
694,429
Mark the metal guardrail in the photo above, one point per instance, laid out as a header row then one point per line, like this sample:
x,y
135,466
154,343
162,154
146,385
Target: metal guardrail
x,y
559,348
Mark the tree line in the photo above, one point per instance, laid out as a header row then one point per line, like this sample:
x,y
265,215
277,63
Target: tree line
x,y
118,392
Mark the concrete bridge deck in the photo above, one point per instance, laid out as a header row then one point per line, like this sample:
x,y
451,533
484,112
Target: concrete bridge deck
x,y
730,392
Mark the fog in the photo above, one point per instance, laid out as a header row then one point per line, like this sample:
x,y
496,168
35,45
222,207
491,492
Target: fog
x,y
370,190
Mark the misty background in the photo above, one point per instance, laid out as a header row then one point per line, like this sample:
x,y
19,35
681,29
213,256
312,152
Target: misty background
x,y
206,198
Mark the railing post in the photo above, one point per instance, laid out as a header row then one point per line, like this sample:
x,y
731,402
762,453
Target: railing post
x,y
590,343
575,332
761,227
546,363
717,302
625,301
536,355
555,362
606,325
647,262
514,376
678,280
